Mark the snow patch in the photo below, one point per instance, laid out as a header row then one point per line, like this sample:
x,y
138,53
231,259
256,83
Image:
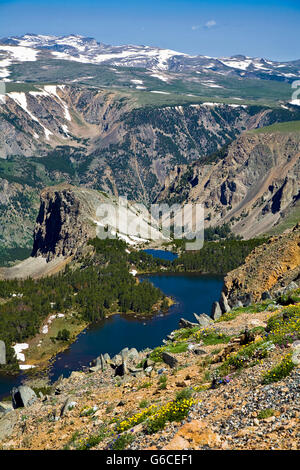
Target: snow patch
x,y
295,102
160,77
160,92
18,348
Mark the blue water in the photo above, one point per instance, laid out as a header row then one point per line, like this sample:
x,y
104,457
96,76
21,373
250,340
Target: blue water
x,y
191,292
162,254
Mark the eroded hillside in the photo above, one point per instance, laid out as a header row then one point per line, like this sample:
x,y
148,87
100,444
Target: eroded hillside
x,y
252,185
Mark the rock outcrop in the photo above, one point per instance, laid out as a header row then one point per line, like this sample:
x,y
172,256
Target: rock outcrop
x,y
2,353
268,268
23,396
253,185
69,216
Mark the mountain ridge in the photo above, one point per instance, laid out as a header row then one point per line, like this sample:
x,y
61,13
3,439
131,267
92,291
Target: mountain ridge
x,y
83,49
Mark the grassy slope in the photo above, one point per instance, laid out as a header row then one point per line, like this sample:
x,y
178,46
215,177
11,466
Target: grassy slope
x,y
284,127
180,86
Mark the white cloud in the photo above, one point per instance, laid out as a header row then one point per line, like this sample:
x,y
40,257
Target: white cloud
x,y
207,25
210,24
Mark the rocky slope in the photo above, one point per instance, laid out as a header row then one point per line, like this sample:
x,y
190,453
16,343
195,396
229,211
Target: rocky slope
x,y
180,400
252,185
267,269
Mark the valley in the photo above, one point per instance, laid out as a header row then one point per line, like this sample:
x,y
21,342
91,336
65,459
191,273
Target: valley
x,y
113,335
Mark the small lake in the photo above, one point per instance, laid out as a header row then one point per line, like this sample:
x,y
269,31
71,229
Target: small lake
x,y
191,292
162,254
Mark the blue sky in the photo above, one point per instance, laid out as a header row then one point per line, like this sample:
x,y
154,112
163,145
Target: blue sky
x,y
217,28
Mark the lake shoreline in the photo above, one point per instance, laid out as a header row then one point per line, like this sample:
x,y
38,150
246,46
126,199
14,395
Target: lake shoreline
x,y
42,363
117,330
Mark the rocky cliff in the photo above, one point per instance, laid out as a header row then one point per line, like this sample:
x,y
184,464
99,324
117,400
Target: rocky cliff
x,y
267,269
253,184
69,216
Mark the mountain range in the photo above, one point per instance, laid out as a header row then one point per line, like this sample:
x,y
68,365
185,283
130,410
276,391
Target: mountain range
x,y
88,50
148,123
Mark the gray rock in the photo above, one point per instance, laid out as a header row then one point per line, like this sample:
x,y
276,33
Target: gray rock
x,y
5,407
199,351
183,323
246,299
68,405
2,353
266,295
203,319
216,311
148,363
169,359
23,396
292,286
117,359
224,303
133,353
98,363
124,353
94,369
7,424
121,370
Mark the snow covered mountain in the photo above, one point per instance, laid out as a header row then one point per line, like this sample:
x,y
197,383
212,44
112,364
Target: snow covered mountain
x,y
32,47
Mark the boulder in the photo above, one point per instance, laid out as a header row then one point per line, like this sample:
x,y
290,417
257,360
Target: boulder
x,y
203,319
199,351
121,370
183,323
117,359
23,396
5,407
133,354
247,337
148,363
7,424
2,353
98,364
224,303
169,359
266,295
292,286
124,353
68,405
216,311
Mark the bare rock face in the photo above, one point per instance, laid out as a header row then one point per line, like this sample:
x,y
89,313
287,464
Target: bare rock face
x,y
267,268
253,186
69,216
2,353
63,223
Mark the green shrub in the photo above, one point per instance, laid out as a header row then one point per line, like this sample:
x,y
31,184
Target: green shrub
x,y
143,404
162,382
122,441
63,335
91,441
267,413
184,394
279,372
